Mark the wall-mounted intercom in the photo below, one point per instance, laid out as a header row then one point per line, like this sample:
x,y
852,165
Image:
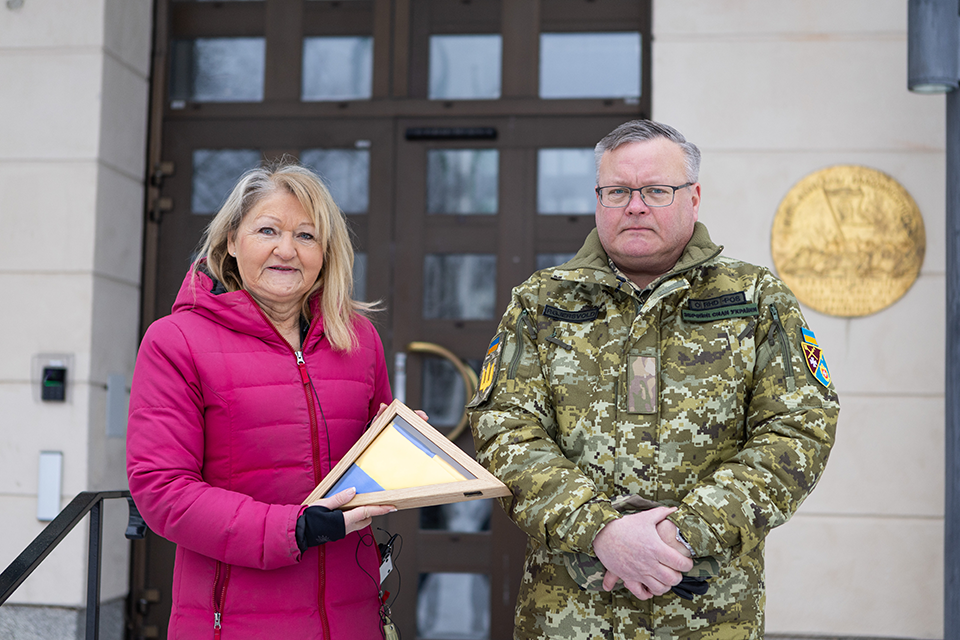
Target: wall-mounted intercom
x,y
50,375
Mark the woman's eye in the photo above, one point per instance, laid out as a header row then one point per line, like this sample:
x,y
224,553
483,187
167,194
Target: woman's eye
x,y
305,236
268,231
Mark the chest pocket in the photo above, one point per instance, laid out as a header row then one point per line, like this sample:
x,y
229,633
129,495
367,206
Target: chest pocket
x,y
573,345
706,371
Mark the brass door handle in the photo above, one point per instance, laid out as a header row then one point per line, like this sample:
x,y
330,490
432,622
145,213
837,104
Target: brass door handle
x,y
469,378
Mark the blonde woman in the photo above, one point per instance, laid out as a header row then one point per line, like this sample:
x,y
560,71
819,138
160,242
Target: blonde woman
x,y
243,399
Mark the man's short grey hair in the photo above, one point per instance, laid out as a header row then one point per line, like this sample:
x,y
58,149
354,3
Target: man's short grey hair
x,y
643,130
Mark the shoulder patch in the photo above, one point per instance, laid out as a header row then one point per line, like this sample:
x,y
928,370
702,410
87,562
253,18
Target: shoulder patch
x,y
730,305
489,370
813,356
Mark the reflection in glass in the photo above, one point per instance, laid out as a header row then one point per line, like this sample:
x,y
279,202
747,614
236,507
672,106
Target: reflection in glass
x,y
215,173
337,68
459,286
453,605
443,392
217,70
346,172
565,181
462,181
465,67
547,260
463,517
590,65
360,276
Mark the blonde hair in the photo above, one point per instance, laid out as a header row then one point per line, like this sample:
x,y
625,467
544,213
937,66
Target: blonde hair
x,y
335,282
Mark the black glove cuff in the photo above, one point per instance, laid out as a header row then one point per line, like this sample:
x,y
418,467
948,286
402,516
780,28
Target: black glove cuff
x,y
317,525
690,586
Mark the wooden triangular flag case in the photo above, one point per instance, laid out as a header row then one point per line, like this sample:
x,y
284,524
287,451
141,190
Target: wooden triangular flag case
x,y
402,461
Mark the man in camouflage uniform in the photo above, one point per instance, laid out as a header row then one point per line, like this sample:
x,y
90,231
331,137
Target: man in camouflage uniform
x,y
655,409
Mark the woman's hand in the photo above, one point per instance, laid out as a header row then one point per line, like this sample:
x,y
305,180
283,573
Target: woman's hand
x,y
357,518
420,413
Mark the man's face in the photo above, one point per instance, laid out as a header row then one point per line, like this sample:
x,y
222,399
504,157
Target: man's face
x,y
645,242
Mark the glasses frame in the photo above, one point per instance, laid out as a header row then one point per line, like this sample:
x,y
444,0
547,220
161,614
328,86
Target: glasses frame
x,y
673,194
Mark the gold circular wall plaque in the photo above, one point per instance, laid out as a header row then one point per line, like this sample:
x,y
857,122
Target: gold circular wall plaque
x,y
848,240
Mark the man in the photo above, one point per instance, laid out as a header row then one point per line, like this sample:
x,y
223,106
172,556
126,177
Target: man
x,y
656,409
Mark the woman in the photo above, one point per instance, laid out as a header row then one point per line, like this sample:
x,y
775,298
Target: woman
x,y
243,399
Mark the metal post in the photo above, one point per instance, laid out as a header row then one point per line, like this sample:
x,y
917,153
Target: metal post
x,y
933,66
93,571
951,525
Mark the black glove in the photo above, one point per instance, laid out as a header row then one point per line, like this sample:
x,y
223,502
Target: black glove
x,y
317,525
690,586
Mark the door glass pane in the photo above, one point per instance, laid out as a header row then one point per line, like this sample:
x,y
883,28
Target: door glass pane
x,y
459,286
215,173
360,276
590,65
464,517
462,181
443,394
547,260
465,67
453,605
337,68
566,179
346,172
216,70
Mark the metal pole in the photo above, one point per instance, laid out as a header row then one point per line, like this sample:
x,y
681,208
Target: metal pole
x,y
951,516
93,571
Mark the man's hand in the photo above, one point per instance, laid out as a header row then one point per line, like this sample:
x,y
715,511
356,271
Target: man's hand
x,y
633,549
668,533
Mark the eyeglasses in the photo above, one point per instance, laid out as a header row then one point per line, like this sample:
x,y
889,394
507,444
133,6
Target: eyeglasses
x,y
653,195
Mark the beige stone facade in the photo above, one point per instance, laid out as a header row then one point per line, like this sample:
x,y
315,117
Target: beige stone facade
x,y
771,91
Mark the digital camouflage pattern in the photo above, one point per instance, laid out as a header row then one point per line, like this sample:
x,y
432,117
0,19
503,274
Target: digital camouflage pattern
x,y
588,572
738,435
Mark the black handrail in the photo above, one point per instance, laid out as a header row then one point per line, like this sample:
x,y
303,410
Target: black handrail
x,y
87,501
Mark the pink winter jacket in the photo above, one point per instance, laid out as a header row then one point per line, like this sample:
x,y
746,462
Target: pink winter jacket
x,y
229,430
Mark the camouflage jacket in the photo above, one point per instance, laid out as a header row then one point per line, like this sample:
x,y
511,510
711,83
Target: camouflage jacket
x,y
706,391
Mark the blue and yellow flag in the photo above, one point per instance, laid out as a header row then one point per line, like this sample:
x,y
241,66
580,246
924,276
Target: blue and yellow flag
x,y
399,458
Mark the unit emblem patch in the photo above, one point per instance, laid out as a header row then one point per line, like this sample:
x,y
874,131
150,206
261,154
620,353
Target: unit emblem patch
x,y
489,370
813,356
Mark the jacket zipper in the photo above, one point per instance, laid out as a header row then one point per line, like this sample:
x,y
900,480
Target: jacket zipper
x,y
315,445
784,349
515,362
314,436
220,579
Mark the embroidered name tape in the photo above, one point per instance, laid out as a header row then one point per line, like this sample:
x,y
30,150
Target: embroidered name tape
x,y
726,300
730,305
587,314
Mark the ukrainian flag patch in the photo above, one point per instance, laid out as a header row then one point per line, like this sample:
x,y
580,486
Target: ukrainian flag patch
x,y
489,370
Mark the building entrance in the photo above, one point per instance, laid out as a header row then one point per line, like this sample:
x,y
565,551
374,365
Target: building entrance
x,y
457,138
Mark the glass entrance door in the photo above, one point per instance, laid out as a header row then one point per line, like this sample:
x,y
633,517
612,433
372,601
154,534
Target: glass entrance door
x,y
457,137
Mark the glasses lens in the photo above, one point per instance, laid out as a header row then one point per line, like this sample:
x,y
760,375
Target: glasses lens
x,y
657,196
614,196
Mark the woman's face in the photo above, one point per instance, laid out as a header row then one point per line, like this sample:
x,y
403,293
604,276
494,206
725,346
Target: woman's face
x,y
277,252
